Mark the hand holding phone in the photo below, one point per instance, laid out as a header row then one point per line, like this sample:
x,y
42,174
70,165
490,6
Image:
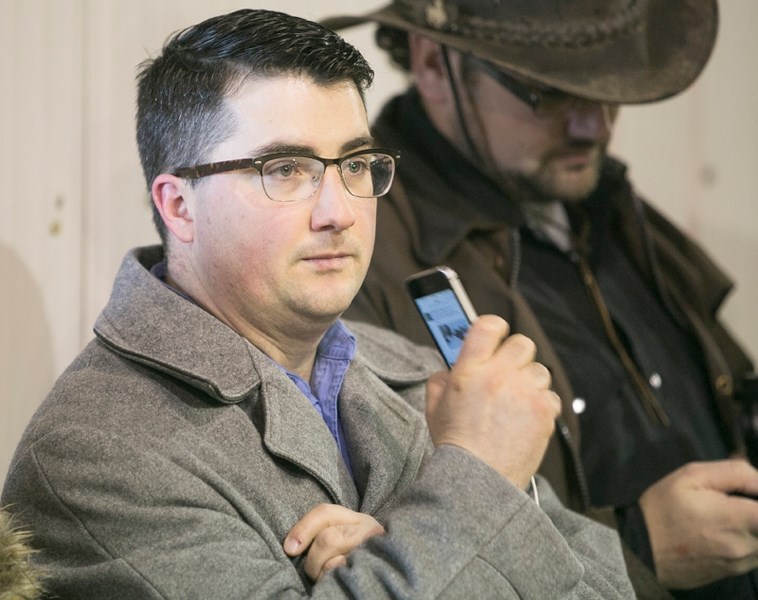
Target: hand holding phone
x,y
505,421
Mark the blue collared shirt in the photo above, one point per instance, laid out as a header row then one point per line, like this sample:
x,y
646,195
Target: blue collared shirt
x,y
333,356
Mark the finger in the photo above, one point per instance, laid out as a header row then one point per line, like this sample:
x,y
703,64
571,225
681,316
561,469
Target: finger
x,y
748,478
338,540
334,562
744,510
730,476
315,520
483,339
518,350
540,375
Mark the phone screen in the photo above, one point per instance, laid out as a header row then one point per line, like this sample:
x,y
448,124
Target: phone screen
x,y
446,320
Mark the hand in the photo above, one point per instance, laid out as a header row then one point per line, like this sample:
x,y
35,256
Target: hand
x,y
328,533
495,402
699,531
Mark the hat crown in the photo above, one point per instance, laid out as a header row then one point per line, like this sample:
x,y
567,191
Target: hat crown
x,y
546,23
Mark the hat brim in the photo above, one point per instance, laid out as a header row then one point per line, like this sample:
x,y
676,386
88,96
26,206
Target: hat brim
x,y
657,63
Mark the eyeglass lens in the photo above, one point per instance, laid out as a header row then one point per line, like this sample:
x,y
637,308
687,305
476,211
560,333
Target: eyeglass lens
x,y
292,178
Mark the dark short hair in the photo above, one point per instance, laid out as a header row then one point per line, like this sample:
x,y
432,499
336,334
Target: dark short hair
x,y
180,95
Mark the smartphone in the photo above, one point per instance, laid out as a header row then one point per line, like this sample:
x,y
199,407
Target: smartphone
x,y
444,306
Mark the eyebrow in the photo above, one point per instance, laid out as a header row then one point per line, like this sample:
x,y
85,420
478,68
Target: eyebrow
x,y
302,150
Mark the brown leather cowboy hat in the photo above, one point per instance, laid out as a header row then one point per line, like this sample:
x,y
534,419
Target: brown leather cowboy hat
x,y
620,51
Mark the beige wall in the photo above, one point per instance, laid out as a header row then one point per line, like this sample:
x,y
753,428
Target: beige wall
x,y
73,200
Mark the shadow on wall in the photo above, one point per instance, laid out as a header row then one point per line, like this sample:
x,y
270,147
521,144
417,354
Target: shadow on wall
x,y
26,354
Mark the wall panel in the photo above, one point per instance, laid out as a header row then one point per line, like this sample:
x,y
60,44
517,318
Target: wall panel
x,y
40,200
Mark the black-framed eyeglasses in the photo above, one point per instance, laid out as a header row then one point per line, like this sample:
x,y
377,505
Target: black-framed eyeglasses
x,y
288,177
543,101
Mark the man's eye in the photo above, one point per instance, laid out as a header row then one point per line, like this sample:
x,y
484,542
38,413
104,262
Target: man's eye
x,y
356,167
282,169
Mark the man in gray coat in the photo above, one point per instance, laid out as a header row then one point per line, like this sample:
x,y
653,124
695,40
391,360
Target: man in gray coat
x,y
226,435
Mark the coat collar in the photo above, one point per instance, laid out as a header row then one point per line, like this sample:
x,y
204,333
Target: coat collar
x,y
224,369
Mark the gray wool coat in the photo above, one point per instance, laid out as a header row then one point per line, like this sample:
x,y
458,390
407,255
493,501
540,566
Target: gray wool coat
x,y
172,457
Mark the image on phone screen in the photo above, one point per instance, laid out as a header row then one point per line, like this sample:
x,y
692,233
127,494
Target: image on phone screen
x,y
446,320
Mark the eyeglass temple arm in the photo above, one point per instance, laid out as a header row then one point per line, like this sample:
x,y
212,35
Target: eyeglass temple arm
x,y
521,91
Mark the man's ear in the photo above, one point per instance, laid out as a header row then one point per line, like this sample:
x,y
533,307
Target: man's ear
x,y
170,198
428,69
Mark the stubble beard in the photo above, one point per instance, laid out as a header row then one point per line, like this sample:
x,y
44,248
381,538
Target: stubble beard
x,y
554,182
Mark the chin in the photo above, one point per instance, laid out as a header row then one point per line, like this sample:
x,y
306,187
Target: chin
x,y
575,197
327,307
571,187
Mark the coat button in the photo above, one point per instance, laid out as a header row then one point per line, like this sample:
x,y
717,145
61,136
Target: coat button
x,y
723,385
655,381
579,405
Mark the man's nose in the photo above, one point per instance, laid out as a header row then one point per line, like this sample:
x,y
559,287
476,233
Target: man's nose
x,y
589,120
333,208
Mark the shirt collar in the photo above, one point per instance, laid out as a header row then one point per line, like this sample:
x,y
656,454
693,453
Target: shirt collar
x,y
338,343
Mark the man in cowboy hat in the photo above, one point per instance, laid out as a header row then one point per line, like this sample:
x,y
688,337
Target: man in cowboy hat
x,y
505,178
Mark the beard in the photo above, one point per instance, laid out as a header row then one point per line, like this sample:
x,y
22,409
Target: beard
x,y
556,178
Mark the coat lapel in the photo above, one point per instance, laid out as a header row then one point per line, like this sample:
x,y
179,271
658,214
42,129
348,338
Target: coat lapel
x,y
387,438
295,432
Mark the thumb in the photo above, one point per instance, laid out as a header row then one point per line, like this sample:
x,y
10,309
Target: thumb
x,y
435,388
